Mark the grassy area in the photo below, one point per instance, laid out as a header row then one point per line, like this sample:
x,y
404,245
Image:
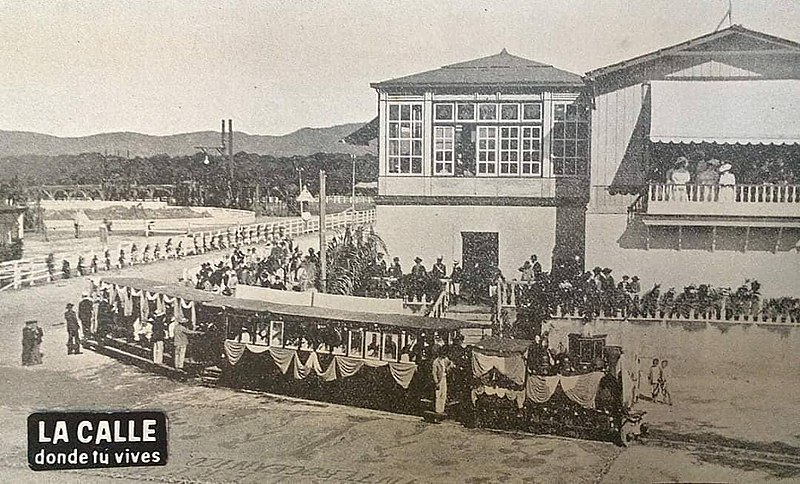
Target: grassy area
x,y
128,213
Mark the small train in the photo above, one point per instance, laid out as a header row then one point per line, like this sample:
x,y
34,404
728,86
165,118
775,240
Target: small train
x,y
371,360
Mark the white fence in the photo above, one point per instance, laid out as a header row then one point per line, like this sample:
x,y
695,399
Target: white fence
x,y
26,272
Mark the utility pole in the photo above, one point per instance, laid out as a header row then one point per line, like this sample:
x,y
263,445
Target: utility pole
x,y
353,194
323,264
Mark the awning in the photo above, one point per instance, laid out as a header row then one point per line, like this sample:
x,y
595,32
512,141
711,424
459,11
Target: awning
x,y
728,112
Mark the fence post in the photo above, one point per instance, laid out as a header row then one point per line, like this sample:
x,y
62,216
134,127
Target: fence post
x,y
17,275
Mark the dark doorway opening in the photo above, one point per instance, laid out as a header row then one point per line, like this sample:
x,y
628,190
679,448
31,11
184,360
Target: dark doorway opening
x,y
480,258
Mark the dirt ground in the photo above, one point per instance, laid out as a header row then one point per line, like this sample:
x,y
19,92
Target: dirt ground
x,y
222,435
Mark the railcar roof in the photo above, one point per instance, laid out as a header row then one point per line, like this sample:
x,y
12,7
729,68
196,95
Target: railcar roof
x,y
305,312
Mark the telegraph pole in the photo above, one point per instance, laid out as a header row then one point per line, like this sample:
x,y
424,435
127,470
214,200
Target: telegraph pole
x,y
353,194
323,264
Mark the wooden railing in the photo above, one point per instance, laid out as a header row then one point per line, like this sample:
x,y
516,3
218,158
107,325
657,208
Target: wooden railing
x,y
755,200
508,292
439,308
26,272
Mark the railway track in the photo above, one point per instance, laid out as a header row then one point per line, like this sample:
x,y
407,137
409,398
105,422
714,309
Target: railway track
x,y
778,459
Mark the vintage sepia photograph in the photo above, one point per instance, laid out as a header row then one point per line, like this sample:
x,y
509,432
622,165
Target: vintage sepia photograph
x,y
393,242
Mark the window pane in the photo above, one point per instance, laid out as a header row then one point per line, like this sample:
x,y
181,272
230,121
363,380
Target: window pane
x,y
416,110
417,131
558,166
532,111
394,147
416,148
405,147
559,112
444,112
416,165
558,148
487,112
509,111
405,112
394,165
558,130
466,112
394,130
394,112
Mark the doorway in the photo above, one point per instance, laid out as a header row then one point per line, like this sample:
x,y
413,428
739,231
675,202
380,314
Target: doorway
x,y
481,248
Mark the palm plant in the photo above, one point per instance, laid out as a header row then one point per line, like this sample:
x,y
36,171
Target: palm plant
x,y
350,255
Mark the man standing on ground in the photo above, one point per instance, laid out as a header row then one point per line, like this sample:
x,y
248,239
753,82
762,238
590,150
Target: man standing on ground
x,y
85,313
31,339
663,380
441,365
182,341
159,334
73,331
652,378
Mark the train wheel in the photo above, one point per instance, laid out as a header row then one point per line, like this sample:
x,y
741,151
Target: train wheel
x,y
627,434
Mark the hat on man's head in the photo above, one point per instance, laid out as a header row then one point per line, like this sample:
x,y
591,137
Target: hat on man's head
x,y
396,259
681,160
635,278
456,262
417,259
714,161
85,294
725,167
606,271
440,257
69,305
31,321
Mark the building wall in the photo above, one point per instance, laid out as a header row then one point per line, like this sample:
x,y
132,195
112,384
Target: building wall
x,y
612,242
435,230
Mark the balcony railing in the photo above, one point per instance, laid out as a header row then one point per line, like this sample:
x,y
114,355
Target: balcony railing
x,y
735,200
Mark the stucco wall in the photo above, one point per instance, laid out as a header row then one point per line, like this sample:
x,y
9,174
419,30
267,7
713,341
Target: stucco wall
x,y
431,231
726,351
611,242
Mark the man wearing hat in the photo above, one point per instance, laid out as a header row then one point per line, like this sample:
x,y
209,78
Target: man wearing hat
x,y
418,278
85,313
181,341
31,340
439,270
455,278
73,331
159,334
395,270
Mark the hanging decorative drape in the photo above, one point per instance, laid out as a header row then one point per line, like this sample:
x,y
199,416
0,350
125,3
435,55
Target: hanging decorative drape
x,y
287,358
191,307
512,367
517,396
540,388
581,389
127,301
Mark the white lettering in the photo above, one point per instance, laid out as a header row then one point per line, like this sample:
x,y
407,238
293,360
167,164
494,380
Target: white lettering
x,y
82,427
103,433
42,434
61,432
148,430
132,432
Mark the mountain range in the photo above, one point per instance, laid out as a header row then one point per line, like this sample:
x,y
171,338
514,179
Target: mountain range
x,y
305,141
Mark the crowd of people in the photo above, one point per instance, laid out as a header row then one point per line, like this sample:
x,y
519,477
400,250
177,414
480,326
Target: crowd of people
x,y
278,264
713,178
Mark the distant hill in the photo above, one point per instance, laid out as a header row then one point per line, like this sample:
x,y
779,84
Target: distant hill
x,y
305,141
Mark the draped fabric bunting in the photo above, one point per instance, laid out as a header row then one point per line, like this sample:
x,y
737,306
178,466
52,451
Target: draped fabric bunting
x,y
541,388
512,367
581,389
191,307
127,302
234,351
517,396
287,358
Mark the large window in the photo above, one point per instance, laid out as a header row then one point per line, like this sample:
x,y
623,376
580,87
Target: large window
x,y
405,138
443,155
487,150
531,163
570,140
509,150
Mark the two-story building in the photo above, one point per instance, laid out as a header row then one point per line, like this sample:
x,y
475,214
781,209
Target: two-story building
x,y
484,161
728,97
498,158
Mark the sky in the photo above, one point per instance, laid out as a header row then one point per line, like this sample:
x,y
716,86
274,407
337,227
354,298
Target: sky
x,y
74,68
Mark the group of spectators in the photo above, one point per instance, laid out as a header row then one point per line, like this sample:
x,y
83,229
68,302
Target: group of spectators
x,y
279,264
707,174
